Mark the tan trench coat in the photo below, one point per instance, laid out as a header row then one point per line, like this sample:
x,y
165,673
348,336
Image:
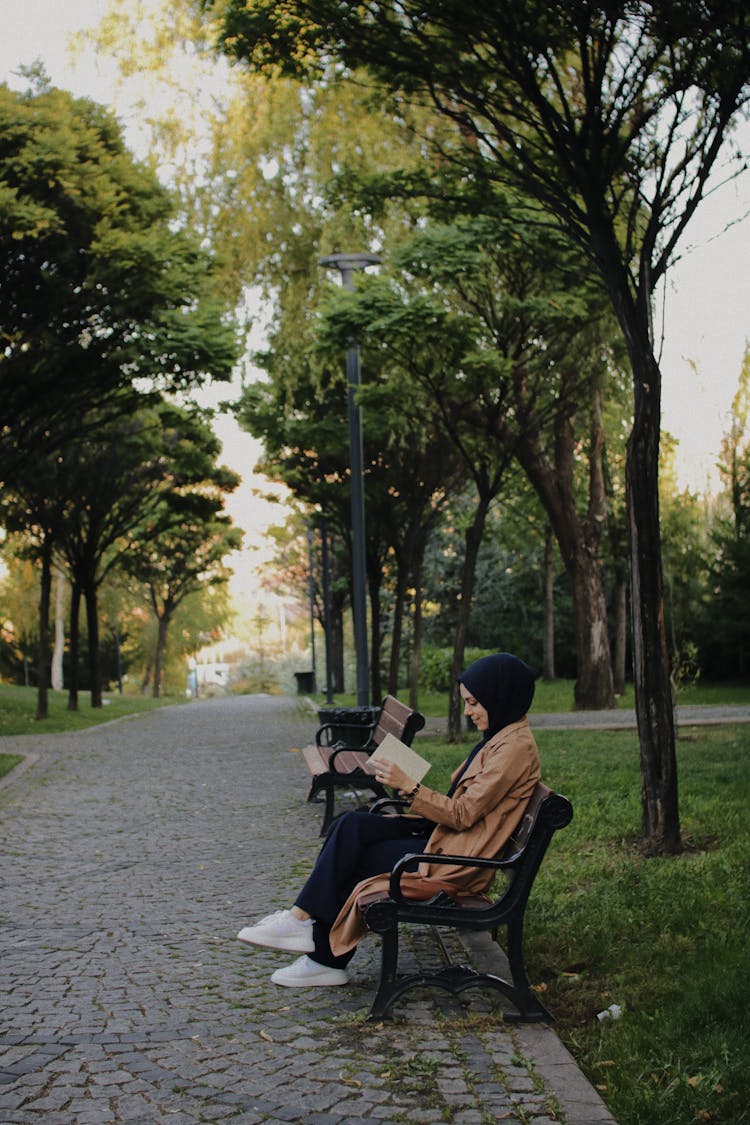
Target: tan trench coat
x,y
477,821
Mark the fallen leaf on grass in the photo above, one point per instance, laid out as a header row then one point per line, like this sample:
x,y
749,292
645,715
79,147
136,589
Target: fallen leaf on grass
x,y
350,1081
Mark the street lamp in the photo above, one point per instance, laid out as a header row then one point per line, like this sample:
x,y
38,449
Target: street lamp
x,y
326,607
347,265
311,590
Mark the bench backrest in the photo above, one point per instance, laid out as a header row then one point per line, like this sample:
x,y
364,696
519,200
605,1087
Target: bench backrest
x,y
523,852
397,719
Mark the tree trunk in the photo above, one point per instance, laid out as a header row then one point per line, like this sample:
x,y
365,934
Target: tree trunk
x,y
402,580
548,652
651,669
374,576
146,678
45,591
59,649
75,637
473,538
416,644
621,634
161,648
651,665
95,664
594,687
337,649
578,539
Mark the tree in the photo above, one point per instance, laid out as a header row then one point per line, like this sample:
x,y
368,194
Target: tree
x,y
115,479
543,352
727,639
494,320
300,414
180,546
34,511
100,285
19,625
613,117
100,288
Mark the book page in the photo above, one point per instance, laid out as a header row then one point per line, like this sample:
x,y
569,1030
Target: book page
x,y
393,750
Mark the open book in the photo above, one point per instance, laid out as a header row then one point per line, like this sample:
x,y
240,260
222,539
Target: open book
x,y
391,749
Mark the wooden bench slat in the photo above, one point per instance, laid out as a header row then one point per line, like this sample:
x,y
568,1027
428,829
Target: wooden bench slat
x,y
335,764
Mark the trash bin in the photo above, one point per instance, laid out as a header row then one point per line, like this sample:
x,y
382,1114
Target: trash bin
x,y
353,717
305,682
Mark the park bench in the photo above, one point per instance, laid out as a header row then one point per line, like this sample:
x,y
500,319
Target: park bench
x,y
339,756
519,861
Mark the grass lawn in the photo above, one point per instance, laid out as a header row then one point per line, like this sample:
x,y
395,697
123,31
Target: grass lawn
x,y
18,710
9,762
558,695
665,938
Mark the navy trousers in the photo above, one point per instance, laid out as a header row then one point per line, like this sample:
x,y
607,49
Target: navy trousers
x,y
360,844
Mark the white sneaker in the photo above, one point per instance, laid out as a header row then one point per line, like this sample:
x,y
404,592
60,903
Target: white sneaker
x,y
304,973
281,930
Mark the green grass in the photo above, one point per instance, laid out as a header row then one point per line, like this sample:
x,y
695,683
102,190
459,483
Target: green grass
x,y
558,695
665,938
9,762
18,710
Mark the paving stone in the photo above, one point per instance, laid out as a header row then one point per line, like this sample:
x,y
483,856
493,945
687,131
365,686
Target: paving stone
x,y
138,850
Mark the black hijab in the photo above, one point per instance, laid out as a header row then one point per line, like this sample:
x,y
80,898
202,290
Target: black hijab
x,y
504,685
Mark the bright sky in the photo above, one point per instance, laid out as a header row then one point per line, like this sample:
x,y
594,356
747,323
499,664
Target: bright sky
x,y
707,313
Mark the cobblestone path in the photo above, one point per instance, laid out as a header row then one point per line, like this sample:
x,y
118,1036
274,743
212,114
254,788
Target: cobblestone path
x,y
131,855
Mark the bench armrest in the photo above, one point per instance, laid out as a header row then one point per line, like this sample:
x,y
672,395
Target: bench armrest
x,y
341,748
453,860
360,729
388,802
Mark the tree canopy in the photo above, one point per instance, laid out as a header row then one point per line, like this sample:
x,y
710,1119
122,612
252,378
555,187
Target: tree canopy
x,y
612,117
100,285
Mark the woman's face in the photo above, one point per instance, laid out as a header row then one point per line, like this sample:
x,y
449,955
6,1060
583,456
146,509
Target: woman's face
x,y
474,709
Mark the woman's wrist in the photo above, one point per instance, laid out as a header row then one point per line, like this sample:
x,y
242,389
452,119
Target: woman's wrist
x,y
409,797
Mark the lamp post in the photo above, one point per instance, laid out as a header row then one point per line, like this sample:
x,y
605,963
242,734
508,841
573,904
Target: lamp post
x,y
311,589
347,265
326,607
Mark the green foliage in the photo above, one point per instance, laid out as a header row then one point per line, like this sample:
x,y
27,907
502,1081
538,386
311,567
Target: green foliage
x,y
435,666
687,558
9,762
100,285
727,618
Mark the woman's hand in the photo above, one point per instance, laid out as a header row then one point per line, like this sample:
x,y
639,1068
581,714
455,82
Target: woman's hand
x,y
388,773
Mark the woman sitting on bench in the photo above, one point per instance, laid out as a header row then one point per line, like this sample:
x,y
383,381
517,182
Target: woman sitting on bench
x,y
485,802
